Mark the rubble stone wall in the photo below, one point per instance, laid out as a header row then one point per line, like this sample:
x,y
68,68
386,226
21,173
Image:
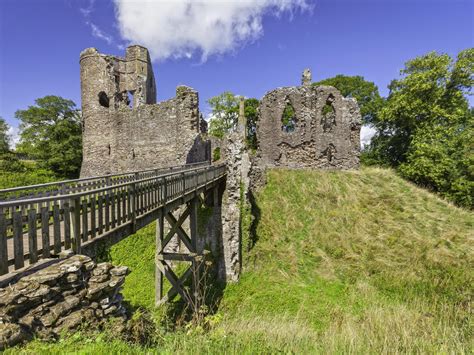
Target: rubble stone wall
x,y
324,132
237,174
60,298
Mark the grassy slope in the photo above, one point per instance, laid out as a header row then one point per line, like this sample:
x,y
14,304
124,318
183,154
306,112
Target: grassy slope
x,y
344,261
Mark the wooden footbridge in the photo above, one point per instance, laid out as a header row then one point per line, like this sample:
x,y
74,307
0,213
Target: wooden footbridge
x,y
41,221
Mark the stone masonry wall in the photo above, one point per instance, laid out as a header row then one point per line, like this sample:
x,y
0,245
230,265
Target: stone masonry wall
x,y
124,129
60,298
324,132
231,260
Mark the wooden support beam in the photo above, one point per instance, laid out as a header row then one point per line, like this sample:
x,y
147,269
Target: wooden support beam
x,y
176,282
176,257
193,224
158,252
172,292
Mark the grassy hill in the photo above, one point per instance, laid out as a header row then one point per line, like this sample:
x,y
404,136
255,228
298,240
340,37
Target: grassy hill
x,y
342,262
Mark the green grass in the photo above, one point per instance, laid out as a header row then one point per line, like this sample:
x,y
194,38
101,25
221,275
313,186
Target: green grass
x,y
359,262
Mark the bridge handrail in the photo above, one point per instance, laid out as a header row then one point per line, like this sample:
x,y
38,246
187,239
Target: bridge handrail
x,y
30,188
36,228
34,200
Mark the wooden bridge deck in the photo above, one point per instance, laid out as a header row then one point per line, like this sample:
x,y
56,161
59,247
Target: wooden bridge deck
x,y
39,222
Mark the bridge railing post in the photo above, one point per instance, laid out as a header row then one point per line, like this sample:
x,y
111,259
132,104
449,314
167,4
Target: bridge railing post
x,y
76,225
133,206
196,180
158,252
183,183
62,191
165,190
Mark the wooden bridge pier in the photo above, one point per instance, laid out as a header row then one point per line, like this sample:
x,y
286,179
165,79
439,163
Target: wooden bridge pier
x,y
190,284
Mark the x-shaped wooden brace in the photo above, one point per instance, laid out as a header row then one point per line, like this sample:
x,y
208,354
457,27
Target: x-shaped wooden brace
x,y
176,228
177,283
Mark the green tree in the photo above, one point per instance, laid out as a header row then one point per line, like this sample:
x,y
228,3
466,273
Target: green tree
x,y
425,129
4,139
251,115
225,116
366,92
51,134
288,118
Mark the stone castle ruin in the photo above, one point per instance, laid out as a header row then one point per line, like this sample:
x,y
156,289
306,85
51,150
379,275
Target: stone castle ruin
x,y
308,127
124,129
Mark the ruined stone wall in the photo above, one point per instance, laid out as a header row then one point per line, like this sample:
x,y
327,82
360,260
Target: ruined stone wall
x,y
237,174
123,128
323,132
60,298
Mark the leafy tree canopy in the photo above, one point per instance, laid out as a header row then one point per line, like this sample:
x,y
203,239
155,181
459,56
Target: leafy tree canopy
x,y
425,129
225,116
51,134
365,92
251,115
4,139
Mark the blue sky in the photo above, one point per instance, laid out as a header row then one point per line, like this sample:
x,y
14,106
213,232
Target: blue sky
x,y
269,46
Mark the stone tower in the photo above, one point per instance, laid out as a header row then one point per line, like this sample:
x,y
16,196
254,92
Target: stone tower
x,y
124,129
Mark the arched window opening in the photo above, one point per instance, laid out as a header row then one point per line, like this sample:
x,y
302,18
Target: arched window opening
x,y
288,119
328,119
103,99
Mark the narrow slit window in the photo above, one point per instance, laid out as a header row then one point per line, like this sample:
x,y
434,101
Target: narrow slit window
x,y
130,98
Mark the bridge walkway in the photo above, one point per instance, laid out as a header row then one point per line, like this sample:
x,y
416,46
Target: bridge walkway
x,y
39,222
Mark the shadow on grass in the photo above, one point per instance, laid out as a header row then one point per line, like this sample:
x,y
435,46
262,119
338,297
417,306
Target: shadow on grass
x,y
256,215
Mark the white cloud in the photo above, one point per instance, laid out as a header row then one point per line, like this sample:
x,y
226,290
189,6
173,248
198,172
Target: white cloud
x,y
96,31
366,134
182,28
14,135
86,11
